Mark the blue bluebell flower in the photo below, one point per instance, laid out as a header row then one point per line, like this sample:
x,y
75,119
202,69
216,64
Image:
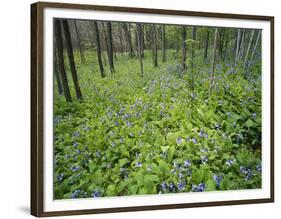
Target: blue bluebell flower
x,y
194,140
75,194
172,187
254,115
201,187
217,180
60,177
229,162
201,133
75,144
187,163
181,186
131,134
116,123
74,168
164,186
129,124
138,164
96,194
179,140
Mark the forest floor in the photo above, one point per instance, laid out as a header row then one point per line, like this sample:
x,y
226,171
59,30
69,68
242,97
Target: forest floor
x,y
158,133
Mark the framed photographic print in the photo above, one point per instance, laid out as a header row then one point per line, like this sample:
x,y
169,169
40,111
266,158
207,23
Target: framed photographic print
x,y
140,109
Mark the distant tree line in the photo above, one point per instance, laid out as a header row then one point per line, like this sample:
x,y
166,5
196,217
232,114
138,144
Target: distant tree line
x,y
134,40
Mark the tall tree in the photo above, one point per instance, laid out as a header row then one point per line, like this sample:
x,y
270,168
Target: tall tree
x,y
192,55
242,46
69,50
193,47
256,45
110,46
154,45
59,44
57,73
163,43
206,45
226,45
237,45
212,79
139,39
183,48
79,43
249,47
97,39
129,39
120,36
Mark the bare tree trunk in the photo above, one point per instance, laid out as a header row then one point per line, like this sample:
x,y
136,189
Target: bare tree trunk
x,y
79,42
142,41
212,79
237,45
110,47
163,43
241,50
183,48
192,56
129,39
226,45
255,48
97,38
120,40
206,45
57,73
155,58
69,49
249,47
59,43
139,39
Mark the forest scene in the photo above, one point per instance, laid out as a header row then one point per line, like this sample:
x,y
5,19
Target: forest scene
x,y
155,108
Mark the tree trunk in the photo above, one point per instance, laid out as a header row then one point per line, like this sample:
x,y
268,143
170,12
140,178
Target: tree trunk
x,y
97,38
255,48
57,73
237,45
241,50
226,45
249,47
212,79
110,47
79,42
183,48
206,46
120,40
154,41
192,56
163,43
69,49
59,43
129,39
139,39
